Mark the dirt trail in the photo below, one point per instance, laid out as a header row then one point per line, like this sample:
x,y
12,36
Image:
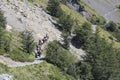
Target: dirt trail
x,y
11,63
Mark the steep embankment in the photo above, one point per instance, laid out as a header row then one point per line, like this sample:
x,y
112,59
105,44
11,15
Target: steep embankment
x,y
106,8
22,15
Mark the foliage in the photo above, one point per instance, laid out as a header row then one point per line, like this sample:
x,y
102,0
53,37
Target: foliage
x,y
113,29
30,0
28,43
66,23
53,7
111,26
43,71
56,55
5,40
82,34
2,20
66,40
83,71
102,58
21,56
97,20
3,68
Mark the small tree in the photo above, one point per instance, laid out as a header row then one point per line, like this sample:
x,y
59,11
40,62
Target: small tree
x,y
102,58
2,20
66,40
111,26
5,40
53,7
57,55
66,23
28,43
82,34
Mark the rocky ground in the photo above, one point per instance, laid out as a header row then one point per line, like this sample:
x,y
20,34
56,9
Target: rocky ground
x,y
22,15
6,77
106,8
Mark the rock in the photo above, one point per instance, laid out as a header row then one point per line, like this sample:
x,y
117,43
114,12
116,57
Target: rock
x,y
8,27
6,77
86,14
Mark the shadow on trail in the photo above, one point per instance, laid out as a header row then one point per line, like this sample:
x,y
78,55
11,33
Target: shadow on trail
x,y
40,58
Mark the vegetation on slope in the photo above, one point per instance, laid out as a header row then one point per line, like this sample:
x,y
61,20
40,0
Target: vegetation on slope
x,y
11,45
43,71
101,62
96,17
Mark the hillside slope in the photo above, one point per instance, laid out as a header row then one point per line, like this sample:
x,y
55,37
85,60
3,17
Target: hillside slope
x,y
106,8
22,15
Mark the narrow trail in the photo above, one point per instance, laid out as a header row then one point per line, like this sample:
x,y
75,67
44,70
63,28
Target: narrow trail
x,y
11,63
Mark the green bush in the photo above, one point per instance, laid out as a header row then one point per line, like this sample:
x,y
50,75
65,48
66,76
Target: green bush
x,y
102,57
53,7
28,44
5,40
56,55
113,29
21,56
111,26
66,23
97,20
3,68
2,20
82,34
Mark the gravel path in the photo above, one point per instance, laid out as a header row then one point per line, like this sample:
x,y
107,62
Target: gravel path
x,y
11,63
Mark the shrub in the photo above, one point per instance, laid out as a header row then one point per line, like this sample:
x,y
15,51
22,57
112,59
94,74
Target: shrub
x,y
5,40
56,55
2,20
3,68
97,20
111,26
53,7
28,43
101,55
21,56
66,23
66,40
82,34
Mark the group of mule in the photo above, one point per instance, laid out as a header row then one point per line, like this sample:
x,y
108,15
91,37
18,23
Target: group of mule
x,y
38,50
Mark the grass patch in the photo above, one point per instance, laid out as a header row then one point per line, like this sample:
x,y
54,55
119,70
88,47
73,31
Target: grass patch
x,y
19,55
75,15
108,37
93,12
43,71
